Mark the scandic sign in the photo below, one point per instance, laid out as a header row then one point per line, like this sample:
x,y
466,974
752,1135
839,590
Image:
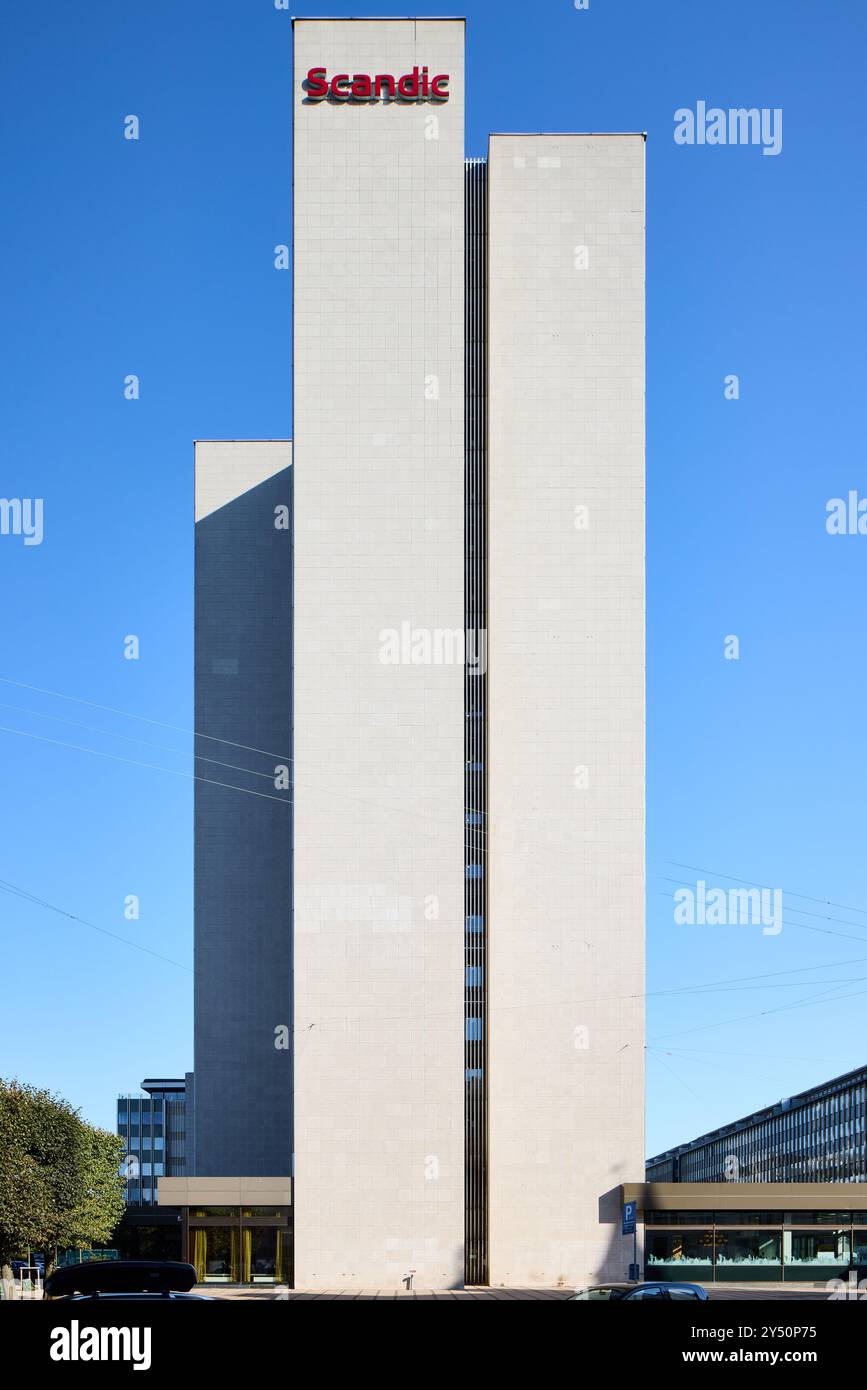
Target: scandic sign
x,y
412,86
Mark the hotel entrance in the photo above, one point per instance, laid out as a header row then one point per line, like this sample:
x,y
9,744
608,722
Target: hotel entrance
x,y
235,1230
239,1245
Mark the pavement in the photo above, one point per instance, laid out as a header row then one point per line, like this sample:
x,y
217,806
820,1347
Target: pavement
x,y
427,1295
811,1292
270,1294
719,1293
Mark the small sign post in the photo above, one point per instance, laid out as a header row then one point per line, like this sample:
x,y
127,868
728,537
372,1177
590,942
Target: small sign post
x,y
629,1227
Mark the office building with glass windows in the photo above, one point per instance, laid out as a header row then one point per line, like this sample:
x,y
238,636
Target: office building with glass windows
x,y
420,645
773,1196
157,1130
816,1136
747,1233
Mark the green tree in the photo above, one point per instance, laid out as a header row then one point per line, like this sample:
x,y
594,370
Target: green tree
x,y
25,1188
93,1220
60,1183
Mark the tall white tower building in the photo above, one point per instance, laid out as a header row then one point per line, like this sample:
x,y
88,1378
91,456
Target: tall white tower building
x,y
467,926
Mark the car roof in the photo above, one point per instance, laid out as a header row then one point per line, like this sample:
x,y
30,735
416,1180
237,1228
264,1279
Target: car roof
x,y
127,1297
120,1277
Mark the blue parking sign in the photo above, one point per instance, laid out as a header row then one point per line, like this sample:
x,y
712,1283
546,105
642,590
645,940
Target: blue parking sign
x,y
629,1215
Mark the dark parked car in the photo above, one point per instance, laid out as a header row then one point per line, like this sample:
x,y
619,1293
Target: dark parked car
x,y
124,1279
609,1293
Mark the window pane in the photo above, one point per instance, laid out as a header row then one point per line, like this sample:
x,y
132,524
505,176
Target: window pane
x,y
818,1218
748,1249
259,1263
816,1247
694,1248
749,1218
679,1218
214,1251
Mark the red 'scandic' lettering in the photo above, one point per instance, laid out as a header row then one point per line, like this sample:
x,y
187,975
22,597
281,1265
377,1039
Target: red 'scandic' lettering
x,y
412,86
317,87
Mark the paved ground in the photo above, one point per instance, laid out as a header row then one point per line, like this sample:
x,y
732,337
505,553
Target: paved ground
x,y
265,1294
270,1294
448,1295
535,1295
796,1295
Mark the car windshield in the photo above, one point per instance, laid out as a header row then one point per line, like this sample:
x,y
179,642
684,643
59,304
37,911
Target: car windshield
x,y
604,1291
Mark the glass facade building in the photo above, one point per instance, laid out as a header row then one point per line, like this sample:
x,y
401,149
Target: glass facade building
x,y
816,1136
154,1127
754,1246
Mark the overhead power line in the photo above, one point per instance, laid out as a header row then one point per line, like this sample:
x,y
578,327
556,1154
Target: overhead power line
x,y
145,719
826,902
133,762
15,891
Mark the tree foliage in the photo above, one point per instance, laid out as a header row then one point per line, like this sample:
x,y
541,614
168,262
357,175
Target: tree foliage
x,y
60,1182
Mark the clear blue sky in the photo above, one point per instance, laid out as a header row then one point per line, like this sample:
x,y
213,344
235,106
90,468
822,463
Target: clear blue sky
x,y
155,257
